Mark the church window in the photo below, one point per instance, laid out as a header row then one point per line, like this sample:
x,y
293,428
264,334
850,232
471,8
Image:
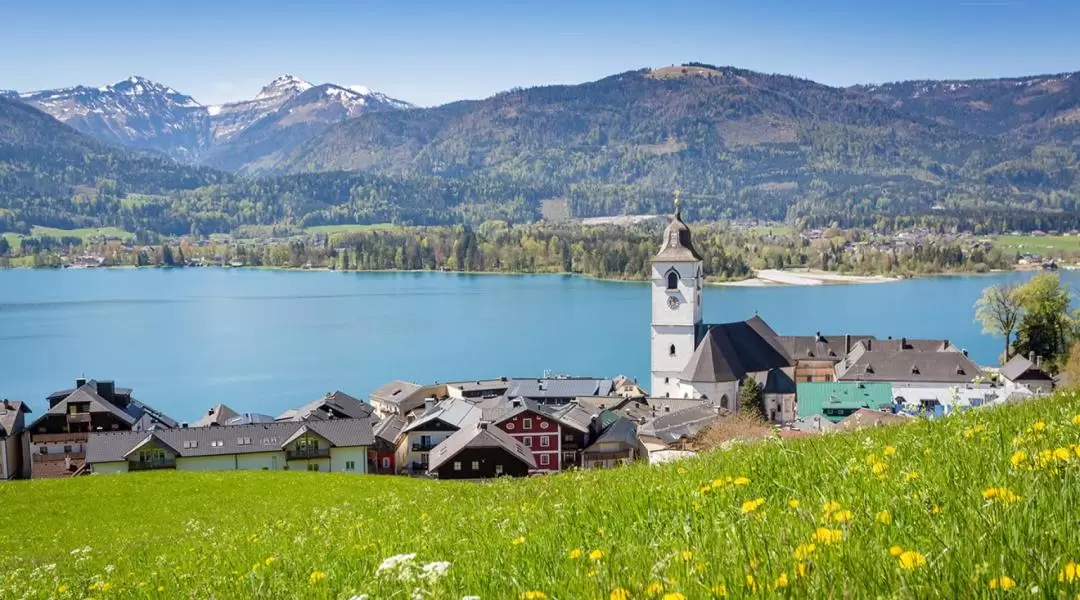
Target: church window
x,y
673,280
724,401
671,350
665,380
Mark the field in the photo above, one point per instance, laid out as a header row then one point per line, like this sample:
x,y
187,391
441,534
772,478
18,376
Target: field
x,y
328,229
972,506
91,232
1039,244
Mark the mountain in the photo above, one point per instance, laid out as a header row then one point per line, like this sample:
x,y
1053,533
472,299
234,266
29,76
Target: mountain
x,y
51,174
140,114
134,113
254,136
740,142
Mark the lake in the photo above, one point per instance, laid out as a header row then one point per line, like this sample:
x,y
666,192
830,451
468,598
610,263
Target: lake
x,y
264,340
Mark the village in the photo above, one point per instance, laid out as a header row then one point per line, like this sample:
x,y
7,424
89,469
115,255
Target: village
x,y
704,377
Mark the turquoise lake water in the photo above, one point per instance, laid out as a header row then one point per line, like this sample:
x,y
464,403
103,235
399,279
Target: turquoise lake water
x,y
263,341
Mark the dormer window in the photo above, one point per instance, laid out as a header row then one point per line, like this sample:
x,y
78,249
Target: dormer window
x,y
673,280
914,369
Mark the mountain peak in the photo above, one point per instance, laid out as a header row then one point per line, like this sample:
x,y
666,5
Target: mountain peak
x,y
285,84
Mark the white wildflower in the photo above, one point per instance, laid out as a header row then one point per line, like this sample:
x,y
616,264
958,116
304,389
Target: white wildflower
x,y
470,598
109,568
360,597
434,571
395,563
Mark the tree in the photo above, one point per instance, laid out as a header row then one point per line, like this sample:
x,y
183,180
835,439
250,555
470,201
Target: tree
x,y
1071,372
751,397
1047,326
999,311
5,246
167,256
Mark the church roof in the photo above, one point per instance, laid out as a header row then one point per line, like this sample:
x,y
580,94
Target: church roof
x,y
676,246
729,351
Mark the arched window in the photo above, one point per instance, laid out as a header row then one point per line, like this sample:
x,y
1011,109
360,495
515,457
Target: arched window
x,y
671,350
673,280
724,401
704,397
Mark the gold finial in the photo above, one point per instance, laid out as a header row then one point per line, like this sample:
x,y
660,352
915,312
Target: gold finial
x,y
677,192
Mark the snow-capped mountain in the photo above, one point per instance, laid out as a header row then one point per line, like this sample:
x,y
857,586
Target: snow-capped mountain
x,y
139,113
136,113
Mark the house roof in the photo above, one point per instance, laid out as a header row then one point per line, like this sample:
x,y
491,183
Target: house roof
x,y
727,352
9,415
196,441
864,417
676,245
219,414
673,426
152,438
479,435
813,424
622,431
814,397
942,345
135,414
910,366
454,412
332,405
820,347
406,396
559,387
1020,367
389,429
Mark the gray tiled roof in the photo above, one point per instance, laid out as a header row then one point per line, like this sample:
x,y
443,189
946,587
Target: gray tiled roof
x,y
671,427
729,351
9,414
219,414
820,347
907,366
576,416
265,437
539,389
334,403
942,345
135,414
479,436
395,391
623,431
1019,367
389,429
454,412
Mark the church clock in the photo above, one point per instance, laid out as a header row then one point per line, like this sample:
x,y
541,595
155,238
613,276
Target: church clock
x,y
672,302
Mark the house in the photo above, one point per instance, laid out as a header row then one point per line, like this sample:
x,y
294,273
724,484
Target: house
x,y
839,399
216,416
477,390
334,405
338,445
14,451
558,391
438,422
534,426
58,438
617,445
480,451
673,430
578,425
1027,372
816,355
381,456
402,397
626,387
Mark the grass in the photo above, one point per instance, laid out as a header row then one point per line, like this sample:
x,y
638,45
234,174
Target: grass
x,y
84,234
928,510
1038,244
328,229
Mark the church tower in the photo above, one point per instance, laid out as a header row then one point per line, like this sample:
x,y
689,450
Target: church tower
x,y
676,306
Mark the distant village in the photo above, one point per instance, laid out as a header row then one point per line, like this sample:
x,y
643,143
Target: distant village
x,y
703,378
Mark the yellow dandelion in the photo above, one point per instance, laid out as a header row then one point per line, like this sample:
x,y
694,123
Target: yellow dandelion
x,y
1003,583
1018,458
910,560
740,481
1076,420
793,503
596,555
533,595
803,551
1069,573
935,509
1002,495
591,573
316,577
1039,425
842,516
1062,454
879,468
751,582
681,470
674,596
911,476
884,517
654,588
519,540
889,450
62,589
801,569
781,582
719,590
269,560
831,506
752,505
160,588
687,555
575,553
619,594
896,551
824,535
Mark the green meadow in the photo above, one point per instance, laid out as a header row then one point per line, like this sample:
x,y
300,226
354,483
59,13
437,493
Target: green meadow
x,y
84,234
1039,244
979,505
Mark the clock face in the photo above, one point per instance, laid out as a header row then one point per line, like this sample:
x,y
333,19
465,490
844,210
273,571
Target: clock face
x,y
672,302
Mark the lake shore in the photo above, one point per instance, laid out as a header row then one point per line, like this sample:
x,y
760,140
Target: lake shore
x,y
810,277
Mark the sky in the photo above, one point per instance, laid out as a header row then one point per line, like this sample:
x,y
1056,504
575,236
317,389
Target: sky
x,y
433,52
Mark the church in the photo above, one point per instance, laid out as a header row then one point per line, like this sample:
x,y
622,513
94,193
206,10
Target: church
x,y
692,359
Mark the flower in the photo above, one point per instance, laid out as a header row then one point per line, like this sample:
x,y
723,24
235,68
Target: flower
x,y
830,507
889,450
1069,573
896,551
654,588
1076,420
1018,458
1003,582
719,590
1062,454
879,468
740,481
519,540
842,516
752,505
800,569
911,476
824,535
687,555
575,553
793,503
884,517
803,551
434,571
62,589
316,577
596,554
619,594
395,563
1039,425
533,595
1001,494
781,582
751,582
674,596
100,586
910,560
681,471
269,560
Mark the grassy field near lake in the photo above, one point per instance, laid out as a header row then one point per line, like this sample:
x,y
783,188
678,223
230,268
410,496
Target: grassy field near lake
x,y
1039,243
979,505
86,233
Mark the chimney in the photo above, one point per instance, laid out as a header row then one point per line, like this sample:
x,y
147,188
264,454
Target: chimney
x,y
210,412
429,403
81,381
482,425
1038,362
903,343
1031,356
945,344
847,343
964,351
107,390
183,425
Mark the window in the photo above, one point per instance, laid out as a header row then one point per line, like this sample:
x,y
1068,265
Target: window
x,y
569,437
498,469
214,443
350,465
475,465
671,350
673,280
724,401
313,467
526,423
457,465
545,441
544,424
243,441
67,449
545,459
44,450
193,443
386,462
665,380
509,426
528,441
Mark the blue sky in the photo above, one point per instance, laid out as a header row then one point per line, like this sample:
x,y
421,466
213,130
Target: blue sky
x,y
431,52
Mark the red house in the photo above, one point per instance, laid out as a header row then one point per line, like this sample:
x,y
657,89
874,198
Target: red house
x,y
555,442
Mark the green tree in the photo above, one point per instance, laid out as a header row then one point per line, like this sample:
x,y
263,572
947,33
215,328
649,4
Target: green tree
x,y
1047,326
167,256
751,397
999,311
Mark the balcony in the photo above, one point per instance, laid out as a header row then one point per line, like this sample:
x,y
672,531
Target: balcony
x,y
306,453
78,418
59,457
152,464
58,438
422,447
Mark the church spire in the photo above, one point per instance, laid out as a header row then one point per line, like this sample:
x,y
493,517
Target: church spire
x,y
677,192
676,246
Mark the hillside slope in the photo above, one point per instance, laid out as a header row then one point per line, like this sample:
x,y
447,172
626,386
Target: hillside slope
x,y
961,507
